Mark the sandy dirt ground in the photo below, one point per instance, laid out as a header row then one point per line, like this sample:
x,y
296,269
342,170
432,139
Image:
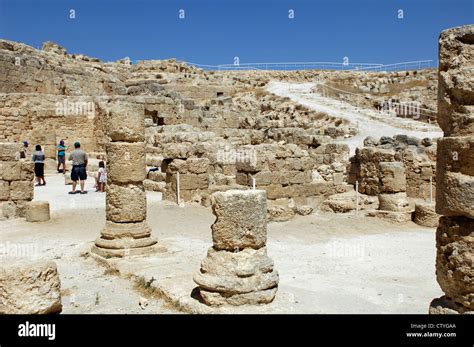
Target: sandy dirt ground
x,y
327,263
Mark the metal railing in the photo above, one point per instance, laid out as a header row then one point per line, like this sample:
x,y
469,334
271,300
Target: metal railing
x,y
404,66
289,66
292,66
321,65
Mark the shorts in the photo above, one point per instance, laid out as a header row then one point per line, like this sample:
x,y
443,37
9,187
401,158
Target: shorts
x,y
61,159
78,172
39,169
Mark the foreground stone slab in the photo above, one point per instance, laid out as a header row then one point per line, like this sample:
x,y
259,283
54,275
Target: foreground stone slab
x,y
29,288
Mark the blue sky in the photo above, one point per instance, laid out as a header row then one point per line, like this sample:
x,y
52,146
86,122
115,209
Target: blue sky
x,y
214,32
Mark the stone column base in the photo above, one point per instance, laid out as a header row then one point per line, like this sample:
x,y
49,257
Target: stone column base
x,y
124,239
445,305
246,277
253,298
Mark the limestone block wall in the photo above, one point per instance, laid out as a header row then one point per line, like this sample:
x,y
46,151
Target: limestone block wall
x,y
193,179
24,69
418,158
288,172
16,180
207,163
45,119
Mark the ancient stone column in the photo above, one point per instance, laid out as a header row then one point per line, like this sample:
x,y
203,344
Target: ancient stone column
x,y
455,172
237,270
393,201
126,231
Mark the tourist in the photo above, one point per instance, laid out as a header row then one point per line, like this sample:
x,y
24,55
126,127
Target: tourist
x,y
61,149
79,166
24,152
100,178
38,158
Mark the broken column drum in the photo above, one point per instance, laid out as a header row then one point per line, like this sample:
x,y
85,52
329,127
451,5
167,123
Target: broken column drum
x,y
237,270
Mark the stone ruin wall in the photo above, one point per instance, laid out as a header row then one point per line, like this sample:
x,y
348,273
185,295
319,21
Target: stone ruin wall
x,y
51,70
35,118
418,157
35,87
16,181
193,120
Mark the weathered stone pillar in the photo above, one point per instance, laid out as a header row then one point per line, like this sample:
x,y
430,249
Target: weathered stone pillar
x,y
237,270
455,172
393,201
126,231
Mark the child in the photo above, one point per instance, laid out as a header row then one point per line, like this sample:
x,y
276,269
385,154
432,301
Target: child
x,y
101,178
24,152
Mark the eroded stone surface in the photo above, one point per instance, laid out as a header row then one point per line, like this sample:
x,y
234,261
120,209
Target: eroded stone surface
x,y
37,211
237,270
454,270
455,169
241,219
425,215
125,203
29,288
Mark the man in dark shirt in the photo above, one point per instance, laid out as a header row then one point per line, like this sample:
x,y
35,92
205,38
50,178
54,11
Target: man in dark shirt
x,y
79,168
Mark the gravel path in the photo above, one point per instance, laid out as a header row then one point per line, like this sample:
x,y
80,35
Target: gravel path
x,y
368,122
